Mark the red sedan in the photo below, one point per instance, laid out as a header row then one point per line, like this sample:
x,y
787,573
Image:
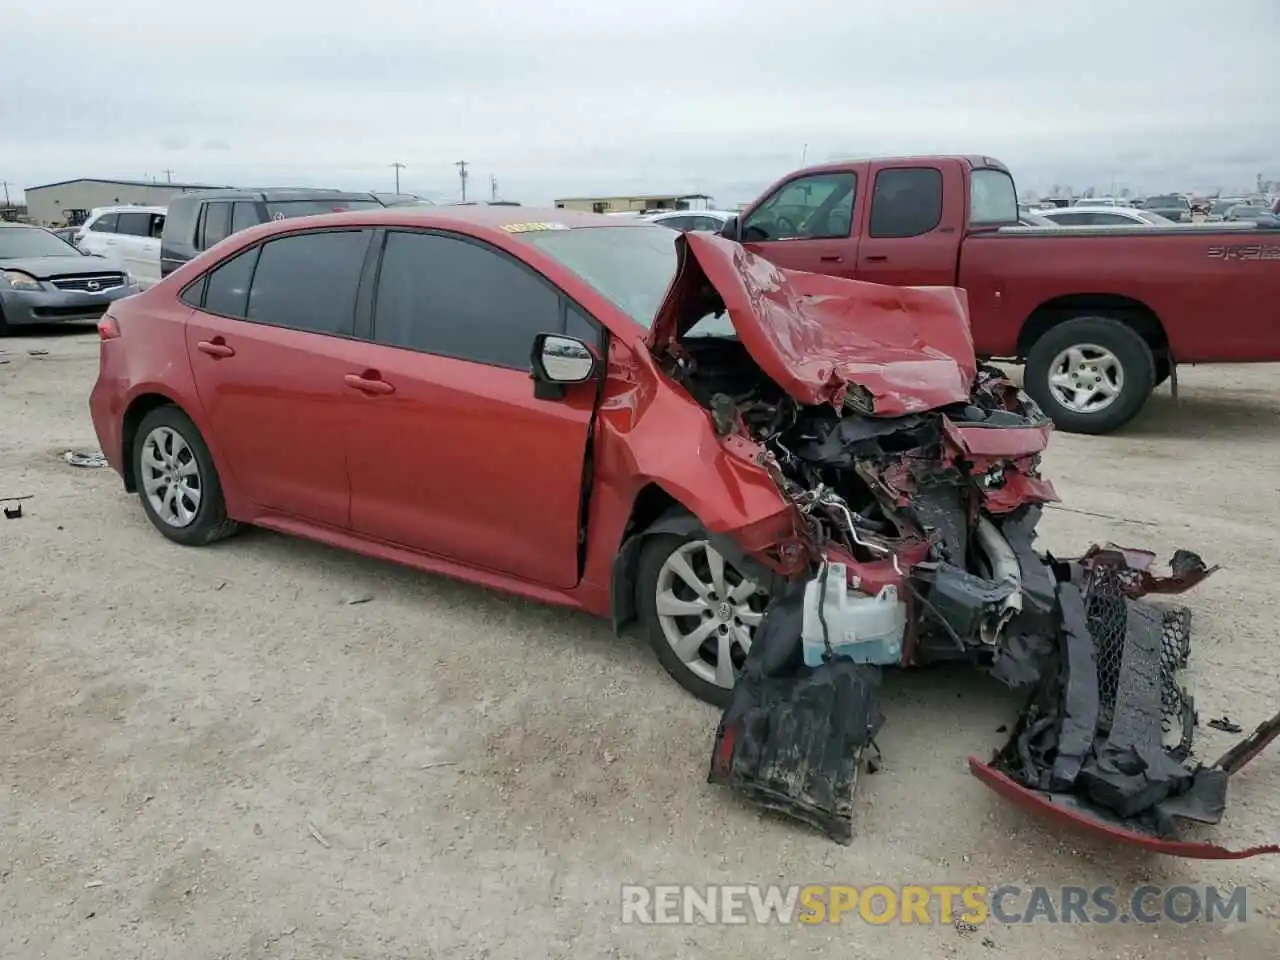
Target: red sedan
x,y
601,413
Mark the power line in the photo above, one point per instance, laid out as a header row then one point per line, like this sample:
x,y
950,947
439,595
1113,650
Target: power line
x,y
398,166
462,176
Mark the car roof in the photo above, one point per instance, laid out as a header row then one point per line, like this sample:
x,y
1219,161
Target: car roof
x,y
272,194
126,208
483,216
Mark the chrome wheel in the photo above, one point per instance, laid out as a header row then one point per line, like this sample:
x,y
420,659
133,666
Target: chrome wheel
x,y
1086,378
708,611
171,477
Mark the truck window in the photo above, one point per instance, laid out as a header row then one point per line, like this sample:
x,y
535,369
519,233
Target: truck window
x,y
816,207
906,202
993,201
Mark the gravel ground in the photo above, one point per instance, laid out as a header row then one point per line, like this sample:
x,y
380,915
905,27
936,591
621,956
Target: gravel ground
x,y
209,753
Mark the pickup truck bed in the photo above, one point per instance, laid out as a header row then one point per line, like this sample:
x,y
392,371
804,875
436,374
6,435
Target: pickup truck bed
x,y
1099,315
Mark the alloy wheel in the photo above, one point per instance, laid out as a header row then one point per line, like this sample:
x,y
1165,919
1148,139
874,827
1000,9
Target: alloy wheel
x,y
171,477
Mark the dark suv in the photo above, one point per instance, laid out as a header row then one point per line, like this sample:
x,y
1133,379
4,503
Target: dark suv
x,y
196,221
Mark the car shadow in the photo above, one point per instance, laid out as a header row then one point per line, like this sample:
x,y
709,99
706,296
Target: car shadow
x,y
1195,416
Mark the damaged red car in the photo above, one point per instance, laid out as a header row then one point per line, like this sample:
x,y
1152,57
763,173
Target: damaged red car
x,y
790,480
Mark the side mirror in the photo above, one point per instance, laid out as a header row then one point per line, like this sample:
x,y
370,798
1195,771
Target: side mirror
x,y
732,229
558,361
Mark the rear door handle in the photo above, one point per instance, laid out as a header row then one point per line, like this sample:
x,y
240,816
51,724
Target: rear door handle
x,y
215,348
831,258
368,384
876,258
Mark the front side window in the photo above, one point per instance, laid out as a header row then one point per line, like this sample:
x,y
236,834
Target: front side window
x,y
104,224
816,207
455,298
309,281
993,201
906,202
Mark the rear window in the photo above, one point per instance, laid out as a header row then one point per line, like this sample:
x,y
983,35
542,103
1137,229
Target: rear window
x,y
993,200
287,209
1168,202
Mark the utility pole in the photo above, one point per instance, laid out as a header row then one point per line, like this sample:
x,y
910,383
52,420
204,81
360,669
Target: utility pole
x,y
6,193
493,187
462,177
168,175
397,167
804,154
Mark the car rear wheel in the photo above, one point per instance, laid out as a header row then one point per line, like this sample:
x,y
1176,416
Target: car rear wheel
x,y
1090,374
699,612
177,481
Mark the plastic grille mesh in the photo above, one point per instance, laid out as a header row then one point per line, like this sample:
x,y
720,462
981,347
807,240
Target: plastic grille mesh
x,y
1106,610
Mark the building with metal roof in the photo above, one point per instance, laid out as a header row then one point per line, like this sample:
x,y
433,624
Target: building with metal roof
x,y
69,201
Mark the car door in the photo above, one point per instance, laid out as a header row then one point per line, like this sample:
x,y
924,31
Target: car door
x,y
138,243
906,241
270,345
807,224
214,224
452,453
100,237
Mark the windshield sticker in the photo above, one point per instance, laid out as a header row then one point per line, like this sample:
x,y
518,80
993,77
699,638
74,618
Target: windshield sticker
x,y
530,227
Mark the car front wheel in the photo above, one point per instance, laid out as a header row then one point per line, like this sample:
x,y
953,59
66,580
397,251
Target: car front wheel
x,y
699,612
177,482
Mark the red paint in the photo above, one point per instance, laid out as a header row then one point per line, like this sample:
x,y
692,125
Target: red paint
x,y
1212,307
815,335
1043,804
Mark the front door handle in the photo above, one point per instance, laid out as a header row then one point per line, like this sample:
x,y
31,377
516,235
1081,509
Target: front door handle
x,y
831,258
368,384
876,258
215,348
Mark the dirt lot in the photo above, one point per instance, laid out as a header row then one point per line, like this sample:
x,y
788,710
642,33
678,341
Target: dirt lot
x,y
208,753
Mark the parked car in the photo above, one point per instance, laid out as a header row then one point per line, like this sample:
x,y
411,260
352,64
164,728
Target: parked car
x,y
1101,202
430,386
44,279
1105,217
684,220
130,235
200,219
1099,317
402,199
1028,218
1246,211
1218,209
1170,206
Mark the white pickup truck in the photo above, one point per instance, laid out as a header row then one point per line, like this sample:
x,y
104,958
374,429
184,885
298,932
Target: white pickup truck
x,y
129,236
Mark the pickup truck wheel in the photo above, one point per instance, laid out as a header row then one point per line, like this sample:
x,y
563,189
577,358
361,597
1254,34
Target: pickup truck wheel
x,y
699,612
1090,374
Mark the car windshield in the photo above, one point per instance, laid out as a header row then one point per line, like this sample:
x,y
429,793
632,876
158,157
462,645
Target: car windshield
x,y
1222,206
629,266
1169,202
19,242
1154,218
992,198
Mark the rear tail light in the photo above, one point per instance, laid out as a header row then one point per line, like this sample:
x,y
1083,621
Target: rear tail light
x,y
108,328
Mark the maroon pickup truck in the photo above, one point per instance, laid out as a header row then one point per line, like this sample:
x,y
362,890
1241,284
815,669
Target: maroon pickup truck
x,y
1099,315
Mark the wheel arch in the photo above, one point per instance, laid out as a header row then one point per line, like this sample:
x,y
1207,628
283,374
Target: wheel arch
x,y
653,511
1127,310
138,408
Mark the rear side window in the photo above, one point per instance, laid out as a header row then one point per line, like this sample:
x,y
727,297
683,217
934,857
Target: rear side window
x,y
104,224
227,289
244,214
134,224
215,224
906,202
309,281
1073,219
459,299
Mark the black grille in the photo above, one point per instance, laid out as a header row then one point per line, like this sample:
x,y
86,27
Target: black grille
x,y
94,283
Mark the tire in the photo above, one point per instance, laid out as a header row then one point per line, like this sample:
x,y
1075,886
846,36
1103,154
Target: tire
x,y
1121,348
698,676
164,432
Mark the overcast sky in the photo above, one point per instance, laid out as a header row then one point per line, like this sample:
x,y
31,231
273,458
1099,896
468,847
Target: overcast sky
x,y
563,98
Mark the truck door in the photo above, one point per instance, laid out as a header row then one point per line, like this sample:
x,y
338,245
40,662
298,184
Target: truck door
x,y
806,223
911,226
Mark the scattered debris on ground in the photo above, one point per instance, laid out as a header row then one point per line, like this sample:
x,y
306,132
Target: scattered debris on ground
x,y
1225,724
85,458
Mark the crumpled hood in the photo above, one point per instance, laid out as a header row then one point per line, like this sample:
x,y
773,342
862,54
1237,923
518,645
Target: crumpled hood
x,y
824,339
